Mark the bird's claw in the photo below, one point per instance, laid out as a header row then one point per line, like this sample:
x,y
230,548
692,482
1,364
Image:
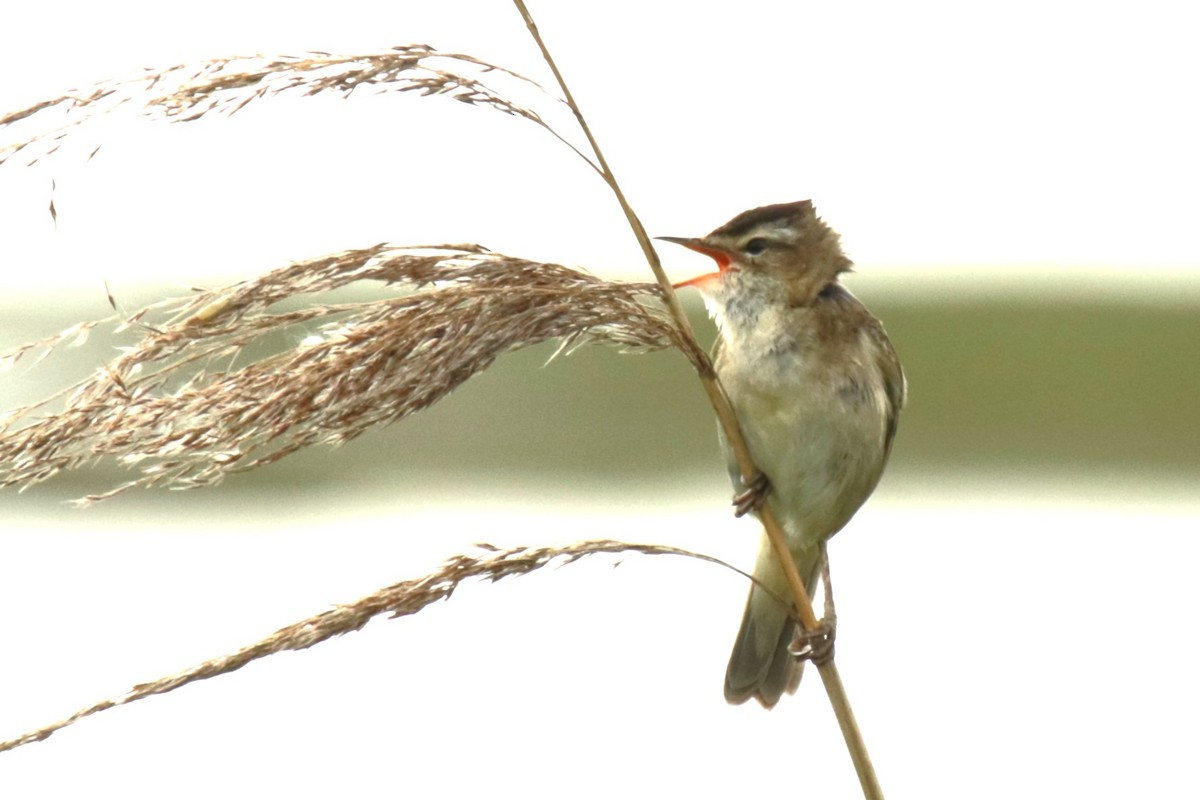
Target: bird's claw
x,y
815,645
753,496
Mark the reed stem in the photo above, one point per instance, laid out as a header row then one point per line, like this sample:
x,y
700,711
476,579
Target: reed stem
x,y
729,424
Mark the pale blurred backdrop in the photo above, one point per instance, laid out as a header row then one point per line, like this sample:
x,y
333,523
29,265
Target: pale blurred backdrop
x,y
1017,187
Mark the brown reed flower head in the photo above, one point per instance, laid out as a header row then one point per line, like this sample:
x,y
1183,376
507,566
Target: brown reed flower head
x,y
398,600
173,407
224,86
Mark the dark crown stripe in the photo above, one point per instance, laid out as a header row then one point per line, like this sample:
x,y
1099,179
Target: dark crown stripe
x,y
784,213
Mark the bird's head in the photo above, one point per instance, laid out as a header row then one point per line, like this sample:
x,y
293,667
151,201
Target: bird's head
x,y
778,253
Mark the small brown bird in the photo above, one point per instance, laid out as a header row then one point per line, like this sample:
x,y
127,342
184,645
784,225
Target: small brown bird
x,y
818,390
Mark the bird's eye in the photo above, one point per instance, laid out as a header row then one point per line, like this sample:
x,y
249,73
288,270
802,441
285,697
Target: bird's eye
x,y
755,247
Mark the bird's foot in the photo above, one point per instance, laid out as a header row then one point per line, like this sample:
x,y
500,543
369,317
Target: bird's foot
x,y
753,496
816,645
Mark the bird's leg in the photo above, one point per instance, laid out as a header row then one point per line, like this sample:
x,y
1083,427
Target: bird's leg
x,y
830,610
753,496
817,645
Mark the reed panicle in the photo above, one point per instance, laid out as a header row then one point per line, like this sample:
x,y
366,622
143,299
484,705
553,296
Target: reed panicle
x,y
224,86
172,407
397,600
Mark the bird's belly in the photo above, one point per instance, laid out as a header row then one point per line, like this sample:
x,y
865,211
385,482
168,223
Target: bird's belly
x,y
822,451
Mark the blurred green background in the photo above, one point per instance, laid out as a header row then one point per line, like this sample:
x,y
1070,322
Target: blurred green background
x,y
1010,384
1042,385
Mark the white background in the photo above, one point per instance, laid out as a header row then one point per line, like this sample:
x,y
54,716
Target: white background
x,y
932,135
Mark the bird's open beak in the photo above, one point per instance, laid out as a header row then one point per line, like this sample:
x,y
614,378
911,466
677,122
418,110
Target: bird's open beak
x,y
719,256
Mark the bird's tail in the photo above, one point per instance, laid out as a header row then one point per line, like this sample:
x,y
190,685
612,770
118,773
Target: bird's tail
x,y
762,665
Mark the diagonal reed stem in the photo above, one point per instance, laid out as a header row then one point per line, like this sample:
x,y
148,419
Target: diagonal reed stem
x,y
729,423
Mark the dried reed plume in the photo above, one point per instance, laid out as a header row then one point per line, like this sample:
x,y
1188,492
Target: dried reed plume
x,y
174,406
167,405
187,92
397,600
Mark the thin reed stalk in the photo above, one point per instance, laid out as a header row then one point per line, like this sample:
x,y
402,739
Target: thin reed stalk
x,y
830,677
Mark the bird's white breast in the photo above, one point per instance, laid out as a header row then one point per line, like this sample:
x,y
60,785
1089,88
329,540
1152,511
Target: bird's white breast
x,y
813,417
